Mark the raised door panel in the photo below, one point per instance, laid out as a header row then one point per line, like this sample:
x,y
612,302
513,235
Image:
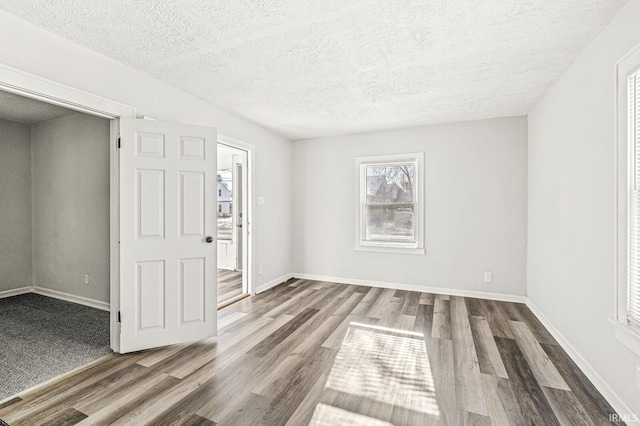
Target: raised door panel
x,y
150,295
150,206
149,145
192,148
192,290
192,204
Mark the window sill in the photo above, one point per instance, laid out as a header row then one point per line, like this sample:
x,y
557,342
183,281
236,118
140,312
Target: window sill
x,y
627,335
385,249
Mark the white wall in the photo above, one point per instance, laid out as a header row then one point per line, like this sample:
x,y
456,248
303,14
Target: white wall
x,y
70,203
572,205
42,53
475,191
15,205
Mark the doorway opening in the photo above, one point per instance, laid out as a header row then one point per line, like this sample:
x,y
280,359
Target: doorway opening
x,y
232,224
54,240
141,317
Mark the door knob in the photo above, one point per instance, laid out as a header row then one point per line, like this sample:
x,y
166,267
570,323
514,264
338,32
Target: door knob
x,y
209,239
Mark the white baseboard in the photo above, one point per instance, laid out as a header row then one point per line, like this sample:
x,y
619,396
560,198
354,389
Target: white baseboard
x,y
609,394
272,283
418,288
15,292
72,298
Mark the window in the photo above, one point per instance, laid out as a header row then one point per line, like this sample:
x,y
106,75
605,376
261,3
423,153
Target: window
x,y
627,298
390,205
633,239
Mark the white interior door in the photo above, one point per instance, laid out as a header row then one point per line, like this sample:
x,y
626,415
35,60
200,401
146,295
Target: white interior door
x,y
167,215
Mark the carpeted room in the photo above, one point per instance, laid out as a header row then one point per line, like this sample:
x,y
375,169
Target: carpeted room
x,y
54,241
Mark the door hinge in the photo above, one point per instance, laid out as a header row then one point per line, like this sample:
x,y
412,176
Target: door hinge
x,y
119,317
118,143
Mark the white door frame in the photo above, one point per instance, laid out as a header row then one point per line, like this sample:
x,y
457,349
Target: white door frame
x,y
247,252
35,87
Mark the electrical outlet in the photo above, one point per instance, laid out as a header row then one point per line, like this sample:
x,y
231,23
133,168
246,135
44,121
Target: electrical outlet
x,y
86,279
259,269
488,277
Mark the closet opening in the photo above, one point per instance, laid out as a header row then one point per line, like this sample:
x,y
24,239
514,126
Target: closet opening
x,y
54,241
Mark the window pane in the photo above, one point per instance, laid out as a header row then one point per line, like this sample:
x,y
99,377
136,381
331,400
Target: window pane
x,y
390,184
389,210
393,223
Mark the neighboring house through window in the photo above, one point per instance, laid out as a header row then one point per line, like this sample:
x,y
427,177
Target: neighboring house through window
x,y
390,208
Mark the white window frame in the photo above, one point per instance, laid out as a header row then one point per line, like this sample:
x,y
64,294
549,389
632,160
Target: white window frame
x,y
625,166
361,244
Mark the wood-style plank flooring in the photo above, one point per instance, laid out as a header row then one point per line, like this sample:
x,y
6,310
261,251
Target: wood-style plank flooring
x,y
229,286
329,354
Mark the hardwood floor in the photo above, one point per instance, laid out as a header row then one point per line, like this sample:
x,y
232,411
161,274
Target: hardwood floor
x,y
328,354
229,286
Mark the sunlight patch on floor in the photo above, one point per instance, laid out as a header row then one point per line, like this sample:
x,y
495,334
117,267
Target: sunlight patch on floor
x,y
327,415
387,366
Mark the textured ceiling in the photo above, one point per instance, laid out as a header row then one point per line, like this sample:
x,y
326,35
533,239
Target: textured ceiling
x,y
306,68
28,111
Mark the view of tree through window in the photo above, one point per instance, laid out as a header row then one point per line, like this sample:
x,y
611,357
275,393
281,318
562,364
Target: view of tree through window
x,y
225,213
390,203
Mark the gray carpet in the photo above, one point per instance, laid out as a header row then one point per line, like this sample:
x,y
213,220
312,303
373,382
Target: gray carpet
x,y
42,337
